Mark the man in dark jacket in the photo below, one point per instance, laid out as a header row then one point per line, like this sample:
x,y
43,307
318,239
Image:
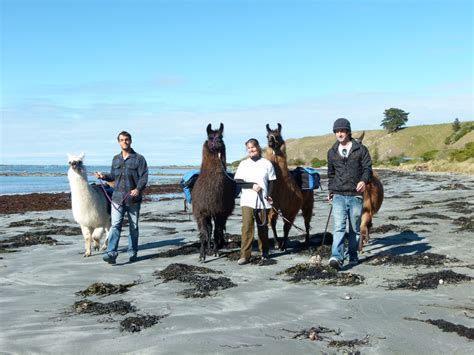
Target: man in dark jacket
x,y
349,171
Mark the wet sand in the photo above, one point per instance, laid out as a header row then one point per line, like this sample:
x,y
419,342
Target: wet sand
x,y
412,292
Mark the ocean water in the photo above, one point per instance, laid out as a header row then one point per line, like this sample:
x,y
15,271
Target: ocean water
x,y
23,179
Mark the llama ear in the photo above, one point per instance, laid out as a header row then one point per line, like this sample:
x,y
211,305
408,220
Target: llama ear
x,y
209,128
279,128
268,128
361,138
81,156
221,128
69,157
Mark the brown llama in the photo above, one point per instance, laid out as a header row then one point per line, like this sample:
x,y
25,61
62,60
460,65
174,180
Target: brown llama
x,y
213,193
373,198
287,196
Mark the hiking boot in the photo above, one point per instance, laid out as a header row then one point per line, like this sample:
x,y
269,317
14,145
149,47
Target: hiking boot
x,y
133,258
109,258
243,261
335,263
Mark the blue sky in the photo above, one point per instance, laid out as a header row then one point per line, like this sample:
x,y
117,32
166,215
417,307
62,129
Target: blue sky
x,y
74,73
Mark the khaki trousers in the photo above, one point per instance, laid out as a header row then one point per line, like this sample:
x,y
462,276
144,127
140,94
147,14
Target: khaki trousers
x,y
248,228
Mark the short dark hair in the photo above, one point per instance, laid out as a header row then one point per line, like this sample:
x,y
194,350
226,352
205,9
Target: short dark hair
x,y
124,133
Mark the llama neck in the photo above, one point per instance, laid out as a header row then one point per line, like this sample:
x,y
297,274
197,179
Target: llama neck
x,y
78,181
212,161
278,158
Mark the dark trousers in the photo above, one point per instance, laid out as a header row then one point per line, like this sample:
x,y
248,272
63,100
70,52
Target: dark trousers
x,y
248,228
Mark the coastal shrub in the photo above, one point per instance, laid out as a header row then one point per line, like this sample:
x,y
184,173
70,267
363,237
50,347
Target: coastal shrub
x,y
235,164
395,161
317,163
464,129
429,155
375,156
461,155
296,161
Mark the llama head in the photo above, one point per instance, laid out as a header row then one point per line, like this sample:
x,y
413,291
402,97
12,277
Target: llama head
x,y
215,142
360,139
76,162
274,138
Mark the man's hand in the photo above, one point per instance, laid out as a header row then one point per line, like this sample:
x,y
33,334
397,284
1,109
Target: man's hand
x,y
360,186
330,197
99,175
134,193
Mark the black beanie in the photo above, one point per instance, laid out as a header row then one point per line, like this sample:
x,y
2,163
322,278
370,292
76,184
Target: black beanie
x,y
341,123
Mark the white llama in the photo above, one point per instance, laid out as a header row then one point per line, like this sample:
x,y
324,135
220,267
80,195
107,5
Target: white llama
x,y
89,205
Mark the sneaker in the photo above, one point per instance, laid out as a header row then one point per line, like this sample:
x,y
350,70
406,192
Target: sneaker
x,y
109,258
133,258
242,261
335,263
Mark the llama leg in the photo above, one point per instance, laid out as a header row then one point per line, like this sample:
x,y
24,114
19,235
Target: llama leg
x,y
106,241
364,230
204,234
286,232
307,210
219,225
272,220
96,237
87,240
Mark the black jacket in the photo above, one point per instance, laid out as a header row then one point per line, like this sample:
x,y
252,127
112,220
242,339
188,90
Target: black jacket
x,y
345,173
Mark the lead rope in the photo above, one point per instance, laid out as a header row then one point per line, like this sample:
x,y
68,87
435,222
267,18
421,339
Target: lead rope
x,y
127,195
265,211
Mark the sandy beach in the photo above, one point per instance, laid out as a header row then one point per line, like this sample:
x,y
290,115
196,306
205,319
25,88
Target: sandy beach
x,y
412,293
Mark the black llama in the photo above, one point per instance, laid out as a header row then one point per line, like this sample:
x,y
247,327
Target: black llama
x,y
213,193
287,196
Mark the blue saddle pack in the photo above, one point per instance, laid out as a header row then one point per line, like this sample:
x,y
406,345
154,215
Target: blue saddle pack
x,y
306,178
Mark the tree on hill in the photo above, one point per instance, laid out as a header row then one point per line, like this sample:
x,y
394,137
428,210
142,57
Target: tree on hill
x,y
394,119
456,125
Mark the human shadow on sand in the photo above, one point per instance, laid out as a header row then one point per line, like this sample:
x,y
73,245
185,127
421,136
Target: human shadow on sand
x,y
398,244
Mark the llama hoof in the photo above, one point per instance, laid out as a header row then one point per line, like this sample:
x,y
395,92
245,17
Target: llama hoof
x,y
87,254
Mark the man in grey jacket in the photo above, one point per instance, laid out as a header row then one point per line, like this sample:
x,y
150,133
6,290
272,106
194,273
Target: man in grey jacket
x,y
349,172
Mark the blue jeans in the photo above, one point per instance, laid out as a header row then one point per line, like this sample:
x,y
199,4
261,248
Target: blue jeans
x,y
346,208
117,215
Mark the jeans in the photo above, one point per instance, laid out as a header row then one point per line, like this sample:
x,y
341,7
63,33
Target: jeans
x,y
346,208
117,215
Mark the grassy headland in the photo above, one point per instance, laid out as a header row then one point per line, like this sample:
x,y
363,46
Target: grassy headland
x,y
419,148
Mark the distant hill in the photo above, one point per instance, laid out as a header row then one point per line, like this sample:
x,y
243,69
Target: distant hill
x,y
410,143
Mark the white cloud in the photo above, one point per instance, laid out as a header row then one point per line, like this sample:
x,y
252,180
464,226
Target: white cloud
x,y
44,133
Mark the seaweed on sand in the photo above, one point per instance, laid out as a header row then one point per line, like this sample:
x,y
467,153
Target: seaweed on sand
x,y
349,343
139,322
465,223
27,239
202,285
105,289
87,306
313,333
430,280
425,259
329,276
